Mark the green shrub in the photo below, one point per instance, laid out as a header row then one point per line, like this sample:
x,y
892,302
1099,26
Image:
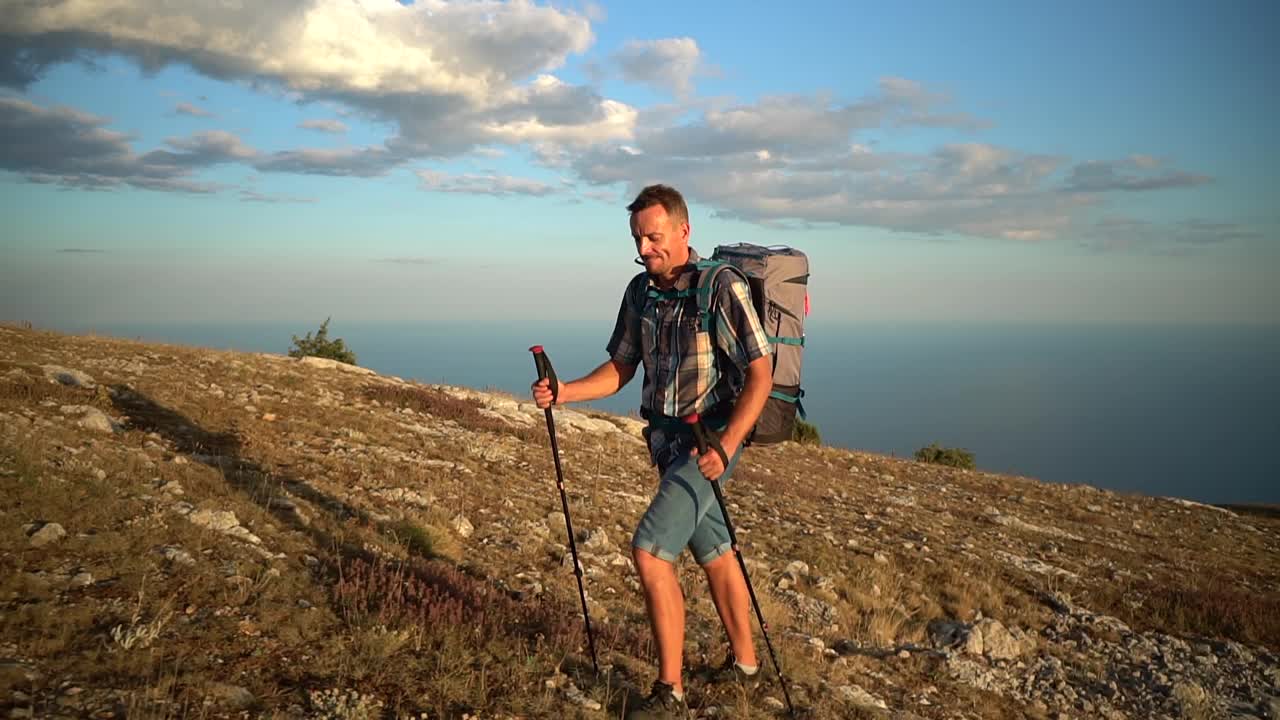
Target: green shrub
x,y
806,433
954,457
321,346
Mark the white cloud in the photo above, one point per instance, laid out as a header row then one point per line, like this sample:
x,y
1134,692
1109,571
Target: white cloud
x,y
183,108
476,77
450,75
370,161
476,184
337,127
374,46
668,64
67,147
1133,174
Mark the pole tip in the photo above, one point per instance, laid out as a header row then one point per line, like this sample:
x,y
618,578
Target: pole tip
x,y
536,349
691,419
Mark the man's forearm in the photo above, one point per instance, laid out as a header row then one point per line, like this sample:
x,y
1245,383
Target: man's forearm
x,y
604,381
750,402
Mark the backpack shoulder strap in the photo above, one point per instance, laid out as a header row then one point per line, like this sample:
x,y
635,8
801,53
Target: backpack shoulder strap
x,y
708,271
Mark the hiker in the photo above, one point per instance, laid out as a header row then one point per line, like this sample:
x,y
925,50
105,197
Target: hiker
x,y
723,373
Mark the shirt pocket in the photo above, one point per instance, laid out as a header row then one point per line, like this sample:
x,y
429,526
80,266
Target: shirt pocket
x,y
692,339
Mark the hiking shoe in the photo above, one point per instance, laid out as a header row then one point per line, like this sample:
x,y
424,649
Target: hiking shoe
x,y
729,672
660,705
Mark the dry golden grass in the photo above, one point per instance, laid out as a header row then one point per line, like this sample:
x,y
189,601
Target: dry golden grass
x,y
389,598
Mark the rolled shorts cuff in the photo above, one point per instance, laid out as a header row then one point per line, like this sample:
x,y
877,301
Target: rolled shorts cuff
x,y
714,554
652,547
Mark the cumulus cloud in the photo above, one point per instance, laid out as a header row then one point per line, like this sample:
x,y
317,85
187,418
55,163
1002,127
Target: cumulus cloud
x,y
457,79
370,161
67,147
668,64
337,127
477,184
183,108
450,75
1133,174
795,159
976,189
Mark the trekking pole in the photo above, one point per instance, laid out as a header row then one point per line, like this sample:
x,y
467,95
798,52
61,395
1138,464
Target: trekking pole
x,y
543,364
704,438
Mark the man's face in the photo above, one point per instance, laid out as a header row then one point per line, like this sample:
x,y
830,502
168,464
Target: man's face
x,y
661,242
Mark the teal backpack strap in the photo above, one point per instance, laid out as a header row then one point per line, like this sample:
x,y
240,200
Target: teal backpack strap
x,y
707,272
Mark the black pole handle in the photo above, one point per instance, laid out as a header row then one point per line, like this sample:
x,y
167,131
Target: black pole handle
x,y
705,438
543,365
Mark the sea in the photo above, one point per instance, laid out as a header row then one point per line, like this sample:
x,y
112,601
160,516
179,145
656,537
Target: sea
x,y
1189,412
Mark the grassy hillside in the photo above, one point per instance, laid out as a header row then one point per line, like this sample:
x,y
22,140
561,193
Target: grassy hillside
x,y
195,533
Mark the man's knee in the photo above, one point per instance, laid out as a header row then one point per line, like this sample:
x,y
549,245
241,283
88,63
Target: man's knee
x,y
720,565
650,568
648,564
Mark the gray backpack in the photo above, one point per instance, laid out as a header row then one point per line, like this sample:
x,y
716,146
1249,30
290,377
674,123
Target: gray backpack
x,y
779,278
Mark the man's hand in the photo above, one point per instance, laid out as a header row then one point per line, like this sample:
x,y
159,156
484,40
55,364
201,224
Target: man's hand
x,y
710,463
542,392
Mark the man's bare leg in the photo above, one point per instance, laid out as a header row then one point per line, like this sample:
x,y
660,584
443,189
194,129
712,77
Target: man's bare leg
x,y
665,603
729,593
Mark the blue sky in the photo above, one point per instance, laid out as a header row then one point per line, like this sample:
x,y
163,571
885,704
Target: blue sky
x,y
940,162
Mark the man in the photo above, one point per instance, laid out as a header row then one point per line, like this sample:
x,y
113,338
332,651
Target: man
x,y
725,375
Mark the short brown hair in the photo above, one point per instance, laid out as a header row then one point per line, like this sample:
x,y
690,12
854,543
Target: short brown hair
x,y
668,197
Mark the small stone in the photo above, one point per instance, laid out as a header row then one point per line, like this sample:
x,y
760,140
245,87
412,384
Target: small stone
x,y
67,376
220,520
997,642
96,420
797,569
881,558
82,579
179,460
856,696
175,554
46,534
597,541
773,703
904,654
269,417
462,526
100,474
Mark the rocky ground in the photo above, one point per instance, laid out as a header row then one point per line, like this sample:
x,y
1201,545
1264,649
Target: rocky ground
x,y
199,533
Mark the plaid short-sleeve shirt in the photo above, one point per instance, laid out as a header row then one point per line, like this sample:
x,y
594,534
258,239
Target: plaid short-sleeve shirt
x,y
685,369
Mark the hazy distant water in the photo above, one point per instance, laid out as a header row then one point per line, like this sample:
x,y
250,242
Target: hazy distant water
x,y
1191,412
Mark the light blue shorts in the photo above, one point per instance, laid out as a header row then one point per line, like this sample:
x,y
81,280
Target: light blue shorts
x,y
684,513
